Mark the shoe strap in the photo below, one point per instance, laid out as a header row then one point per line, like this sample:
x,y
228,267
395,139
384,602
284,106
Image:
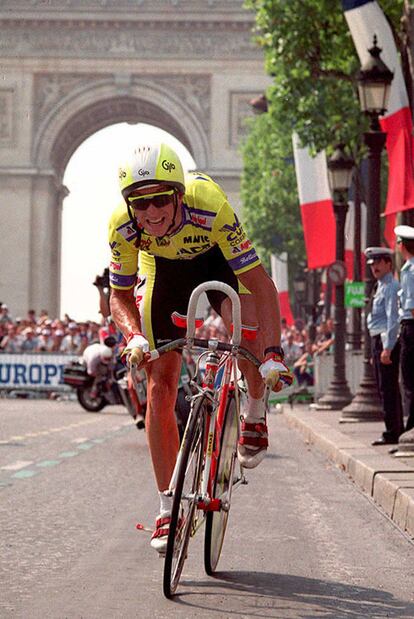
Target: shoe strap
x,y
160,529
253,434
259,427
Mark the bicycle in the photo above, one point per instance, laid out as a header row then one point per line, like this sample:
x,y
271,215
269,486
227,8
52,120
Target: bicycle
x,y
206,469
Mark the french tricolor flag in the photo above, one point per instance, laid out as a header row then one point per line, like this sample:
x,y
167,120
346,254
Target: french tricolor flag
x,y
366,18
316,206
280,278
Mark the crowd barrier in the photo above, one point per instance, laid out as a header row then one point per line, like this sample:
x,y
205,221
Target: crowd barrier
x,y
43,371
33,371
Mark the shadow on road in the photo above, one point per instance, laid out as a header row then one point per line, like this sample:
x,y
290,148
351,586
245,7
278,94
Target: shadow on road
x,y
262,594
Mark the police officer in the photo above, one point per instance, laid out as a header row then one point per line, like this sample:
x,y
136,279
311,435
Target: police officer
x,y
382,323
405,244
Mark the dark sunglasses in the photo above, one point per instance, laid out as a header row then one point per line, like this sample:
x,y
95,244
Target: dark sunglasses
x,y
141,203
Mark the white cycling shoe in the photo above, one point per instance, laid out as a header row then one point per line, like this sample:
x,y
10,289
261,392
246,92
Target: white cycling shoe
x,y
253,443
160,536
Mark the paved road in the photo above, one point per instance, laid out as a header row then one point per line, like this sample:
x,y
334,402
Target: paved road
x,y
302,543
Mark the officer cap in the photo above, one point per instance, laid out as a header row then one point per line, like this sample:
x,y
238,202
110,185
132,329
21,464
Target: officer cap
x,y
405,233
377,253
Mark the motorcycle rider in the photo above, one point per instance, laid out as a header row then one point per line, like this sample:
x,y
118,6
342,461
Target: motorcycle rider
x,y
97,358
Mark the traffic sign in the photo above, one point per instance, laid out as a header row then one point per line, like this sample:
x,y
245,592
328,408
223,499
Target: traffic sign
x,y
354,294
337,272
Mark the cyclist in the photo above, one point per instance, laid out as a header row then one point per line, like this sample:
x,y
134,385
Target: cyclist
x,y
178,231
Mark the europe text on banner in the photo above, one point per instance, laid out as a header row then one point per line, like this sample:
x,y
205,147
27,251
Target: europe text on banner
x,y
280,277
365,19
33,371
316,206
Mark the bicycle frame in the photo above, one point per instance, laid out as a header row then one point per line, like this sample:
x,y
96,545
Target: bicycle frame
x,y
215,419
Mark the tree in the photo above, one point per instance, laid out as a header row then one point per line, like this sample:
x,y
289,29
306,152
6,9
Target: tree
x,y
310,55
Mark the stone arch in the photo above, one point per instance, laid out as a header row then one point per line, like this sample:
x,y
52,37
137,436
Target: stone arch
x,y
81,114
190,68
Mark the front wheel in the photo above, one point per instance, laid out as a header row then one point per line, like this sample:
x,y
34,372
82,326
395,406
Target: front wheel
x,y
216,522
183,519
89,403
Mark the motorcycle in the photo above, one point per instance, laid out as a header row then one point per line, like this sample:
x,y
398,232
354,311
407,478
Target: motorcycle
x,y
94,395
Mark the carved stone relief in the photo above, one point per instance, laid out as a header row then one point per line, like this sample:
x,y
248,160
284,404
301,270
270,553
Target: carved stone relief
x,y
193,90
6,116
240,110
142,39
126,5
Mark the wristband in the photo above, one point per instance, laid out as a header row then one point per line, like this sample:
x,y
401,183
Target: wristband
x,y
276,349
132,334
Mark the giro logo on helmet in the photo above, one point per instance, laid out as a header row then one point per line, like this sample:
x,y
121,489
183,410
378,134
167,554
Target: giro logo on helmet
x,y
142,172
122,174
168,165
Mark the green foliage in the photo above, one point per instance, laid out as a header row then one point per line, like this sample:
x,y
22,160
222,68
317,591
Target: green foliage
x,y
270,207
311,57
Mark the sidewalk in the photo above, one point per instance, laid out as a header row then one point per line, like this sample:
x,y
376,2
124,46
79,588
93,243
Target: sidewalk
x,y
387,478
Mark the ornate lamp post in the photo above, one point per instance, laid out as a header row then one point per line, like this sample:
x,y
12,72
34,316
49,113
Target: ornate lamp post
x,y
374,82
299,287
340,168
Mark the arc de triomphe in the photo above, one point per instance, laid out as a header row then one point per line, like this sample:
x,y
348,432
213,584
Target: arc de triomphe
x,y
72,67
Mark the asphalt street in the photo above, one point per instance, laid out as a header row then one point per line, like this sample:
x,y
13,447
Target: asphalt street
x,y
303,540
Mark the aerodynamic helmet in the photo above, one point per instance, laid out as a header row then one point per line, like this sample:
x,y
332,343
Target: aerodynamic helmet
x,y
151,164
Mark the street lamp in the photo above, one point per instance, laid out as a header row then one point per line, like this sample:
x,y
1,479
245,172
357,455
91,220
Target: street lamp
x,y
374,82
299,287
340,169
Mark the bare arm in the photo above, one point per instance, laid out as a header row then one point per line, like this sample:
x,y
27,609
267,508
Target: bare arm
x,y
124,311
267,303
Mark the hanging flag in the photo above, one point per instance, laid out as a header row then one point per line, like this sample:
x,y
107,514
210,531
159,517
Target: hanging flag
x,y
280,278
366,18
350,237
316,206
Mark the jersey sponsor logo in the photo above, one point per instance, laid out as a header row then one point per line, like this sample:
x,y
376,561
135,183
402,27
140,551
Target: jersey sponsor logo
x,y
115,266
127,231
145,244
196,238
201,220
198,219
168,165
243,260
236,233
238,249
122,280
188,252
115,252
163,241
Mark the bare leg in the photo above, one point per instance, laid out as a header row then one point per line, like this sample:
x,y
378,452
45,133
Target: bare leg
x,y
161,425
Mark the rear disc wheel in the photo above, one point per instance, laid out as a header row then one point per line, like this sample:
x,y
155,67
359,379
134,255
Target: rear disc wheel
x,y
216,522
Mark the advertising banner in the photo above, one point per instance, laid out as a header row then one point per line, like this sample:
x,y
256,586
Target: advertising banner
x,y
33,371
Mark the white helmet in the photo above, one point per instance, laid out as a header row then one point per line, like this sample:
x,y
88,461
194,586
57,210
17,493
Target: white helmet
x,y
106,355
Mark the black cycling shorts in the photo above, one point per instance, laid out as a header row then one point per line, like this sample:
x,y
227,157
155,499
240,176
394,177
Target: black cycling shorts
x,y
166,288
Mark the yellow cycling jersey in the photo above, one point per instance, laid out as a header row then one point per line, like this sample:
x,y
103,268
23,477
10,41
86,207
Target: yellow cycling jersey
x,y
207,220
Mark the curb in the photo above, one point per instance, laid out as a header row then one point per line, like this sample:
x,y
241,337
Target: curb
x,y
389,482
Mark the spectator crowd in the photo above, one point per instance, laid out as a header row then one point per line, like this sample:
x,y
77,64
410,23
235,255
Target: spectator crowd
x,y
43,333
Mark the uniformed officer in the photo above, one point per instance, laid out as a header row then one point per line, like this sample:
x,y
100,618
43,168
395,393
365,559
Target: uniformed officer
x,y
382,323
405,244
